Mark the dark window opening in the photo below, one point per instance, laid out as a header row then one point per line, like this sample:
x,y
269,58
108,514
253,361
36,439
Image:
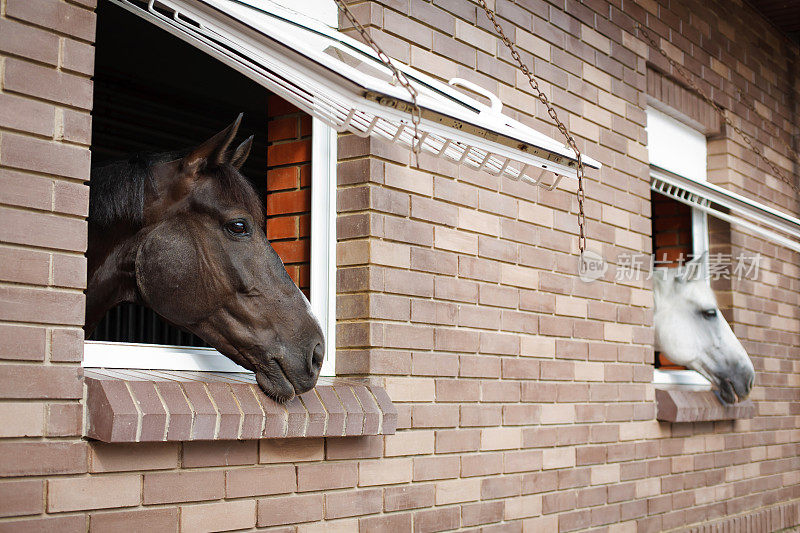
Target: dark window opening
x,y
155,93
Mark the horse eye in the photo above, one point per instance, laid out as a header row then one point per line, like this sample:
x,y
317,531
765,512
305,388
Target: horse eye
x,y
237,228
710,313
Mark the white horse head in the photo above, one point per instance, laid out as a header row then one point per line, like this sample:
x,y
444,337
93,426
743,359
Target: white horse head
x,y
692,332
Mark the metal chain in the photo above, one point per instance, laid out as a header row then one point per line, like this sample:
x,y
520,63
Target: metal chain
x,y
553,115
690,80
397,75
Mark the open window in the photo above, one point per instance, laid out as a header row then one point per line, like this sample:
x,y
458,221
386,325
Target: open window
x,y
682,199
164,95
275,54
680,231
323,83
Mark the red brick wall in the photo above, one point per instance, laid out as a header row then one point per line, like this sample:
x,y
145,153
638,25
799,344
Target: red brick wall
x,y
672,231
524,394
289,187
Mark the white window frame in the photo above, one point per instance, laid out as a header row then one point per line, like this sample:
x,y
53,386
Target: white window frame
x,y
105,354
342,82
690,186
323,236
682,150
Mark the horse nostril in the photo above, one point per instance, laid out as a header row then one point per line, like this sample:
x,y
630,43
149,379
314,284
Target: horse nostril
x,y
317,356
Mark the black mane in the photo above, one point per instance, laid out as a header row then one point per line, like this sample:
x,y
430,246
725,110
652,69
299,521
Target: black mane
x,y
117,190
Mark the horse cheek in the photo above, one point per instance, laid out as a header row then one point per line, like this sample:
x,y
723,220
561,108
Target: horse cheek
x,y
167,275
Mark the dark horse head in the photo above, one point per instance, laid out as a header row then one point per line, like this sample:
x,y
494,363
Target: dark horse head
x,y
183,234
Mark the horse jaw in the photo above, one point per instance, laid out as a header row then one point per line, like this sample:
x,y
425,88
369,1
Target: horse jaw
x,y
707,345
111,279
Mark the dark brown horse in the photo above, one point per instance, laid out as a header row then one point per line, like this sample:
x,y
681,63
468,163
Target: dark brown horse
x,y
183,235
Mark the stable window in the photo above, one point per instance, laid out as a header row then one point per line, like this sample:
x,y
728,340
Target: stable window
x,y
680,232
342,83
165,95
682,198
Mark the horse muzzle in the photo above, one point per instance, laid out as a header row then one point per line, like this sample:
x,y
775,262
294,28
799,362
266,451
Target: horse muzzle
x,y
283,376
735,385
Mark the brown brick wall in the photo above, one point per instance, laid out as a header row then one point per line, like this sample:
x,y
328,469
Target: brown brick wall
x,y
46,61
523,393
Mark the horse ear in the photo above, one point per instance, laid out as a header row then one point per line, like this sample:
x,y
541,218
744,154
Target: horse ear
x,y
241,153
214,150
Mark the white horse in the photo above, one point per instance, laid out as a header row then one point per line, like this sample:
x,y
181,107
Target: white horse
x,y
691,331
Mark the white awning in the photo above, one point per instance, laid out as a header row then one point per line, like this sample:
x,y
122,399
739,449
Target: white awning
x,y
342,82
770,223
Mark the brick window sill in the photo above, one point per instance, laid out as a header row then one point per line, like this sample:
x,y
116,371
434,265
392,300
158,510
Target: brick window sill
x,y
158,406
684,404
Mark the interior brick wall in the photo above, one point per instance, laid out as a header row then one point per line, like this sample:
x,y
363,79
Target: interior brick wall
x,y
289,187
524,394
672,231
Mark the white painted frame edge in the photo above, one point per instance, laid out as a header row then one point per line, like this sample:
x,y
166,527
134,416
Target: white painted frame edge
x,y
323,236
100,354
679,377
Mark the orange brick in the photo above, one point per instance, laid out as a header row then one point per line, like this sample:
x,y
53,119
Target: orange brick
x,y
283,128
282,178
289,153
283,228
293,251
289,202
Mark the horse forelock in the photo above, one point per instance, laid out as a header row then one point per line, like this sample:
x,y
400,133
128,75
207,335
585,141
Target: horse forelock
x,y
118,190
238,191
